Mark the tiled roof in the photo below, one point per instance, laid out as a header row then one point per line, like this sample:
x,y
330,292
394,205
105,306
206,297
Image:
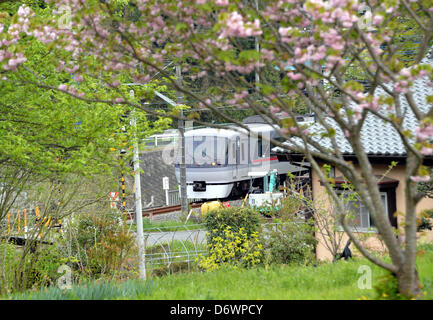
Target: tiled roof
x,y
378,137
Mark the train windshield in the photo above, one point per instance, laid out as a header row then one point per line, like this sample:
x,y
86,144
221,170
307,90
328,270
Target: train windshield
x,y
206,151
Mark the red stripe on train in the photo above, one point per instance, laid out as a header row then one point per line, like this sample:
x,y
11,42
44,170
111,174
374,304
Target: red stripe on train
x,y
267,159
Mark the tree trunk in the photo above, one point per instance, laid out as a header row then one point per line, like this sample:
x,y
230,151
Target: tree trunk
x,y
409,284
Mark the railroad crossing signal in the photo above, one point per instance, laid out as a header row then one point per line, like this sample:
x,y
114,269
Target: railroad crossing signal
x,y
114,196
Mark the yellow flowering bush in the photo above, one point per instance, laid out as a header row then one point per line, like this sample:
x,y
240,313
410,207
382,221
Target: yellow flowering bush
x,y
232,248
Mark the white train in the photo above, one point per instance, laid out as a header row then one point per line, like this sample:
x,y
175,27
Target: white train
x,y
220,162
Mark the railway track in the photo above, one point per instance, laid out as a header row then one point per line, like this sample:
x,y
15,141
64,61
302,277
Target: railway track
x,y
164,210
169,209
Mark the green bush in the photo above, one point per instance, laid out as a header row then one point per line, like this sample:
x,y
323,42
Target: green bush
x,y
232,237
429,213
36,269
102,246
288,243
290,238
44,270
287,207
423,222
236,249
236,218
9,259
174,267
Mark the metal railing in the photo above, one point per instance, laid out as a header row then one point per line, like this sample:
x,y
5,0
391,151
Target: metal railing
x,y
161,140
174,198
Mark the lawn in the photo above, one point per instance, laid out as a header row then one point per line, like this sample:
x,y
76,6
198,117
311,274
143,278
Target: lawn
x,y
325,281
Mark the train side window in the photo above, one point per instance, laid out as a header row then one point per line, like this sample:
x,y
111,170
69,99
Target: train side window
x,y
234,152
242,152
259,148
222,151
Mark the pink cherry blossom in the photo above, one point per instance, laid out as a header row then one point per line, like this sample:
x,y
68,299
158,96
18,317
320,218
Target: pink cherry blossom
x,y
425,132
420,179
274,109
426,151
222,2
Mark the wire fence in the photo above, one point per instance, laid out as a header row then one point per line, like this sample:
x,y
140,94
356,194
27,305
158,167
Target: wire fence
x,y
180,247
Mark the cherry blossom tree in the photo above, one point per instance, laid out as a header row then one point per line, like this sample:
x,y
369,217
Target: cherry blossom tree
x,y
303,51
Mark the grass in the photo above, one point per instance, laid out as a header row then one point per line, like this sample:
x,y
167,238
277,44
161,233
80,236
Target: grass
x,y
327,281
97,290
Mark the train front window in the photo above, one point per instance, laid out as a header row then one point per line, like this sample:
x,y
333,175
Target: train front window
x,y
205,151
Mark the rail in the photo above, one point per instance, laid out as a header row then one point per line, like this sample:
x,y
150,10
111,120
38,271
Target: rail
x,y
163,210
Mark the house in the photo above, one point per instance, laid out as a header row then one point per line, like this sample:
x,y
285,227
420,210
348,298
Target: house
x,y
383,146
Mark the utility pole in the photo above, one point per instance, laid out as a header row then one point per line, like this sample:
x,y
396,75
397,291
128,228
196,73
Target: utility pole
x,y
182,166
181,128
138,206
257,76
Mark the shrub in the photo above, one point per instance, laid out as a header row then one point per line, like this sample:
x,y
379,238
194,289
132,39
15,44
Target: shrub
x,y
36,269
424,222
174,267
9,260
289,239
236,218
233,248
44,271
288,206
232,238
429,213
288,243
103,245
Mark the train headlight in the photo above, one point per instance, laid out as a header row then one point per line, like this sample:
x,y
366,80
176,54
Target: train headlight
x,y
213,164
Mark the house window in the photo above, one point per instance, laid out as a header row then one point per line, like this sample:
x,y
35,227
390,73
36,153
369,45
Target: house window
x,y
357,215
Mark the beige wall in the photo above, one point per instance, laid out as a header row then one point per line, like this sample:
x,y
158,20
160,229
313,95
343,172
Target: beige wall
x,y
370,240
